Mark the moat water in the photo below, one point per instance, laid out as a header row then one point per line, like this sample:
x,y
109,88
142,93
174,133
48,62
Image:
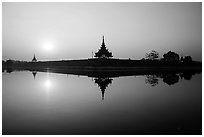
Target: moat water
x,y
51,103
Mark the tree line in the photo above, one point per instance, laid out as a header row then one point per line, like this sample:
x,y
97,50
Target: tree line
x,y
168,57
152,59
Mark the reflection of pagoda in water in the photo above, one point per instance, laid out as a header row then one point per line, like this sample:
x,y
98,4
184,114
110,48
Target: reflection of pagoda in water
x,y
103,84
34,73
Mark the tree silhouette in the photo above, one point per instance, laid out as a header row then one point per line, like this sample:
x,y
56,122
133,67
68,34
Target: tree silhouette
x,y
152,55
187,59
9,62
171,57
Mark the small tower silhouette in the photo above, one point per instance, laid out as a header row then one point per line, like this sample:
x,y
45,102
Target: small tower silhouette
x,y
34,59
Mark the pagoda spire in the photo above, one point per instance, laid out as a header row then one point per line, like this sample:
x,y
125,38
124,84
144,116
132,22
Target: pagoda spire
x,y
103,41
103,51
34,59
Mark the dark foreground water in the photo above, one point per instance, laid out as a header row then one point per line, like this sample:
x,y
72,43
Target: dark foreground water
x,y
54,103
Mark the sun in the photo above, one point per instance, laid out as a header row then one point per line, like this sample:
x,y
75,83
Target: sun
x,y
48,46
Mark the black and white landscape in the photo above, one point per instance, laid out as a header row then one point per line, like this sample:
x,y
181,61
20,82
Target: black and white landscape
x,y
101,68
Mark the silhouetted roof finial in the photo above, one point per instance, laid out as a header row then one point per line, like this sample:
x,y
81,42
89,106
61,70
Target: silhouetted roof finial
x,y
34,59
103,51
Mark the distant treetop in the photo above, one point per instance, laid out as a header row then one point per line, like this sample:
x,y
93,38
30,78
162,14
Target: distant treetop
x,y
171,57
152,55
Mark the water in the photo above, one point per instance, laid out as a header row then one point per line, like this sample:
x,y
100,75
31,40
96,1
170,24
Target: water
x,y
52,103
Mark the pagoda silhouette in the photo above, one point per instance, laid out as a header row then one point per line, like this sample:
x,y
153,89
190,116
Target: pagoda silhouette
x,y
34,59
103,52
103,84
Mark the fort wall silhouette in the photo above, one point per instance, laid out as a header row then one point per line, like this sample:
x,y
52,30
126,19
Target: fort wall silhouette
x,y
104,61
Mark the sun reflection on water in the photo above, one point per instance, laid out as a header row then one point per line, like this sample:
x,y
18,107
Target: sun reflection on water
x,y
48,84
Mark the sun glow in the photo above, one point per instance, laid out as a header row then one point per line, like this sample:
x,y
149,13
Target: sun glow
x,y
47,84
48,46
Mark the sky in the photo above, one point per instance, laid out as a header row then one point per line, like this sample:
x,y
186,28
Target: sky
x,y
56,31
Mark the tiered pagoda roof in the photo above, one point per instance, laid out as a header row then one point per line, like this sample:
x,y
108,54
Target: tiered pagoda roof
x,y
34,59
103,51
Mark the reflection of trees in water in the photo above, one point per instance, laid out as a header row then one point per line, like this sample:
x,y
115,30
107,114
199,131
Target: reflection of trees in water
x,y
171,78
186,76
152,80
168,78
103,81
3,69
103,84
9,70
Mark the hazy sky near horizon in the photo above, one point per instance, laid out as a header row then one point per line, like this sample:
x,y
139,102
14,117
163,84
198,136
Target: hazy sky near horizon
x,y
55,31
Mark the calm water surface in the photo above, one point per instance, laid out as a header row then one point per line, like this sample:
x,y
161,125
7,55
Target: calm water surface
x,y
54,103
